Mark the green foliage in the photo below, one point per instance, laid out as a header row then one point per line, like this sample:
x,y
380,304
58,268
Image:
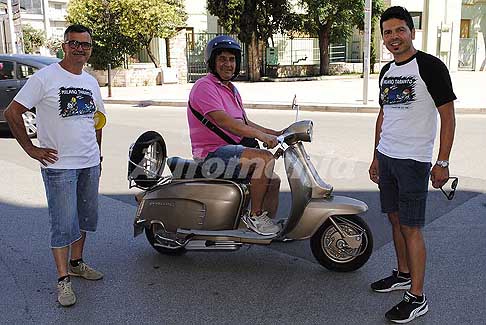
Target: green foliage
x,y
339,16
143,20
254,21
110,45
55,47
33,38
54,44
122,27
251,17
332,21
146,19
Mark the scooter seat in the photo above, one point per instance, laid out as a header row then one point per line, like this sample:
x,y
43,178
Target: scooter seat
x,y
184,168
189,169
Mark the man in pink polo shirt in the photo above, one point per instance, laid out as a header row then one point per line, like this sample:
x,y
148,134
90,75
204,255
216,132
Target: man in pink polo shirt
x,y
216,99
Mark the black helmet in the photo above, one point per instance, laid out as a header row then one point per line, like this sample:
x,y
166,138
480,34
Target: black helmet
x,y
216,46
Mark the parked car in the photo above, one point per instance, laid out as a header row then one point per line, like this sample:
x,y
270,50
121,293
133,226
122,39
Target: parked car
x,y
15,69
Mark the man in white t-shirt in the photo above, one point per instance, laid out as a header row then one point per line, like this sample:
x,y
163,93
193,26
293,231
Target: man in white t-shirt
x,y
66,99
413,89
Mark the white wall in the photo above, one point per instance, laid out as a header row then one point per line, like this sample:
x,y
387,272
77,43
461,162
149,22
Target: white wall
x,y
439,18
198,17
411,5
444,19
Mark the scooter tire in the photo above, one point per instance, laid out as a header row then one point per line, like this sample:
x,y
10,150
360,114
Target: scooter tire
x,y
336,263
162,250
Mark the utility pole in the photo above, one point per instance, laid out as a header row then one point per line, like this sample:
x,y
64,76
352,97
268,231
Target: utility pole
x,y
13,37
366,50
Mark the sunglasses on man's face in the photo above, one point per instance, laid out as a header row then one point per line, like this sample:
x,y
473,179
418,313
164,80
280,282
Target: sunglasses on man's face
x,y
450,194
75,44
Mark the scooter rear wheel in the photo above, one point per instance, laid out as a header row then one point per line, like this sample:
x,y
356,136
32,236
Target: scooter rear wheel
x,y
329,248
149,233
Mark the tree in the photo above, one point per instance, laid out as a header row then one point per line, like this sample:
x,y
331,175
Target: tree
x,y
143,20
254,21
33,38
54,45
110,45
330,20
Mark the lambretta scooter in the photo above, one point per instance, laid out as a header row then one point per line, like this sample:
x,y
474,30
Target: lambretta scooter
x,y
193,210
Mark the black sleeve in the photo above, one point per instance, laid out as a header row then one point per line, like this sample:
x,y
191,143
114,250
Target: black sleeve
x,y
382,73
436,77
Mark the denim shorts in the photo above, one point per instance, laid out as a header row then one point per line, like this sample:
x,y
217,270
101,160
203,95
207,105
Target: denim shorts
x,y
225,163
404,184
72,200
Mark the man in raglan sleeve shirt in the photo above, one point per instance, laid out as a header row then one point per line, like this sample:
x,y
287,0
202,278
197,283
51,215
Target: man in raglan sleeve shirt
x,y
413,89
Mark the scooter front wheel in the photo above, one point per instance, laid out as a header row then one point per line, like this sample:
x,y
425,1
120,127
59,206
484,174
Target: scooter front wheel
x,y
163,248
331,249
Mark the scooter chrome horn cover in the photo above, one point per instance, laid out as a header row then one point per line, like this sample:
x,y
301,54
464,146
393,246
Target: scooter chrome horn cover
x,y
146,161
298,131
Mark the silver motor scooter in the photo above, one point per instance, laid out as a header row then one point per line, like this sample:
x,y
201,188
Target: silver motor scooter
x,y
192,210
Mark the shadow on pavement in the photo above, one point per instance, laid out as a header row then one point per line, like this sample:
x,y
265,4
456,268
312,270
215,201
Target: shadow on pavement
x,y
277,285
437,205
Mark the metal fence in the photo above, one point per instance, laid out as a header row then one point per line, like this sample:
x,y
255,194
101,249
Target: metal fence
x,y
303,51
283,50
195,47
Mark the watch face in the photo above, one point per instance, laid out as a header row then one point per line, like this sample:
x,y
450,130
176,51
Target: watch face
x,y
442,163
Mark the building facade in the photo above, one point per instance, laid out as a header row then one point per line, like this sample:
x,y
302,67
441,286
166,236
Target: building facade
x,y
45,15
453,30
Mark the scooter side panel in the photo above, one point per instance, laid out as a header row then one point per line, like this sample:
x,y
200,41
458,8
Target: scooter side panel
x,y
194,204
318,210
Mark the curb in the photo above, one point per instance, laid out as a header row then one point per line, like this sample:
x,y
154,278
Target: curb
x,y
312,107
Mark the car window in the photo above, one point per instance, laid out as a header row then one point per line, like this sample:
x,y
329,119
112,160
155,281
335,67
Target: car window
x,y
25,71
6,70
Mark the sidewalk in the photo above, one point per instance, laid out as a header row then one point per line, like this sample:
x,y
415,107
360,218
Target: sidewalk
x,y
338,94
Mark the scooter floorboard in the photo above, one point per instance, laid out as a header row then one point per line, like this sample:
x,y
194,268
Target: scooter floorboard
x,y
239,235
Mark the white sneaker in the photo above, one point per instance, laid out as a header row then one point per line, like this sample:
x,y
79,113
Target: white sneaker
x,y
65,293
261,224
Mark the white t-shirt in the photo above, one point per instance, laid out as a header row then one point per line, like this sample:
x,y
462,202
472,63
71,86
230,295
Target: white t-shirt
x,y
410,93
65,104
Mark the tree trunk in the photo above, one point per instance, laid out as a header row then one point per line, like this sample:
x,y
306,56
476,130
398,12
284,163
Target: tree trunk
x,y
324,33
254,59
151,55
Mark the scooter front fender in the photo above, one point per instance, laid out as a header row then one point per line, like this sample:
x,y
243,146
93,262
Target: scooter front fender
x,y
318,210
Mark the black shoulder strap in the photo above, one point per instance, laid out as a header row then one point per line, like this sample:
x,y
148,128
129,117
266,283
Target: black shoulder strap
x,y
211,126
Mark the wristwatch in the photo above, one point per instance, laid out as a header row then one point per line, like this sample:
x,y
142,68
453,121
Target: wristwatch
x,y
442,163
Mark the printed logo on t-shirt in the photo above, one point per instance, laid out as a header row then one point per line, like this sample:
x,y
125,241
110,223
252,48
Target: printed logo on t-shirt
x,y
398,90
75,101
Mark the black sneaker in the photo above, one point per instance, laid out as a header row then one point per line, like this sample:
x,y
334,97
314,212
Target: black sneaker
x,y
396,281
408,309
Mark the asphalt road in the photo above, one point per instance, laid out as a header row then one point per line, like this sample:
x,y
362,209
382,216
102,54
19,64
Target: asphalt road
x,y
281,283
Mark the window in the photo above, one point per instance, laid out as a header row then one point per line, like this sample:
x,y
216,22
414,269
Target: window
x,y
417,19
6,70
25,71
31,6
465,28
